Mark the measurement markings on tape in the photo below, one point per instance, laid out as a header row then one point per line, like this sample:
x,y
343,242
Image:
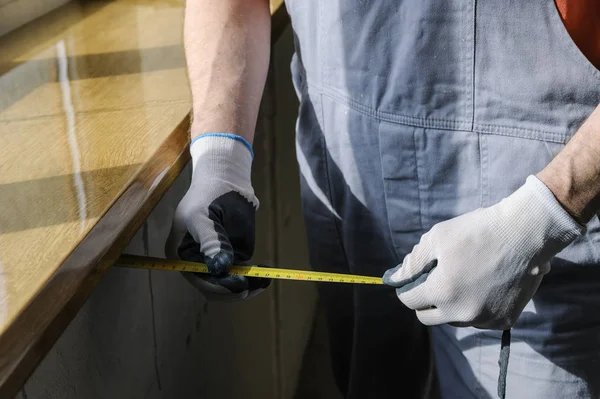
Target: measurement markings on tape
x,y
146,262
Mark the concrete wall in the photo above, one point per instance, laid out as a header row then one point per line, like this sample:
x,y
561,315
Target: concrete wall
x,y
146,334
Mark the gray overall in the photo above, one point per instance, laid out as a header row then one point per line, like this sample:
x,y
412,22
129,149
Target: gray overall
x,y
413,112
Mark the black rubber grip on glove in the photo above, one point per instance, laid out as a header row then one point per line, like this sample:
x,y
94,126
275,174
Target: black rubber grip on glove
x,y
234,218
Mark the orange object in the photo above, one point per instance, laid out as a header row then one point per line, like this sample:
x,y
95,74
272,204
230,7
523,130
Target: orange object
x,y
582,21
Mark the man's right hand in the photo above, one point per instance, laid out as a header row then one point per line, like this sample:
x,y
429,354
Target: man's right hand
x,y
214,222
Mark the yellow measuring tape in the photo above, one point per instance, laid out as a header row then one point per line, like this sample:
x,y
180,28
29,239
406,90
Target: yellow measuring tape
x,y
146,262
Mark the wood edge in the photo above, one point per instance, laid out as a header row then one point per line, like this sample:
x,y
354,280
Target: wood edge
x,y
34,331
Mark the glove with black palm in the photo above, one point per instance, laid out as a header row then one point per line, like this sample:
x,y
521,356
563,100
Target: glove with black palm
x,y
214,222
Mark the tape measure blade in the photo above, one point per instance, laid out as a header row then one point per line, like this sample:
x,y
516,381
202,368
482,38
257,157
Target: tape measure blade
x,y
146,262
305,275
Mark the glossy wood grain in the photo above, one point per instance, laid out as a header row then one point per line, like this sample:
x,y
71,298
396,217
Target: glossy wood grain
x,y
93,130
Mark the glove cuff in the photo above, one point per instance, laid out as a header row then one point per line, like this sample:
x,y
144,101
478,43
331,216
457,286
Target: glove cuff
x,y
229,136
224,157
219,153
563,226
550,226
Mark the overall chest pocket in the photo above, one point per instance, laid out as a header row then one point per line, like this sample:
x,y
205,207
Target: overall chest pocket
x,y
531,80
409,58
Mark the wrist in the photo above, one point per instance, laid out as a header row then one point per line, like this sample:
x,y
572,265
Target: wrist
x,y
219,122
556,178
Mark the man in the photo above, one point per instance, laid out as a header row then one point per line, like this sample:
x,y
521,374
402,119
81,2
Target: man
x,y
433,124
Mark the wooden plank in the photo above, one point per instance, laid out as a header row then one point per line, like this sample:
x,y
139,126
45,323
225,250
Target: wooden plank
x,y
93,130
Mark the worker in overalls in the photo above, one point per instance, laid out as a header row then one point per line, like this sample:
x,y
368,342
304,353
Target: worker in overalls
x,y
431,141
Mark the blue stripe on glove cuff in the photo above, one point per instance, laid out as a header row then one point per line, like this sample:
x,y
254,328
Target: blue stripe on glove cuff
x,y
229,136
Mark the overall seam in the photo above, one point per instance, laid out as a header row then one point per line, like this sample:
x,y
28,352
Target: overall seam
x,y
394,118
322,34
323,141
473,64
501,130
418,180
329,188
386,221
483,157
443,124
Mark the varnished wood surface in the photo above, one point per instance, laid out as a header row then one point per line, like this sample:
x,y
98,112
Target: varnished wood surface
x,y
93,129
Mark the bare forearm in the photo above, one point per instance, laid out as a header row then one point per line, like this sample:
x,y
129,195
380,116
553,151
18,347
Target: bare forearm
x,y
227,44
574,174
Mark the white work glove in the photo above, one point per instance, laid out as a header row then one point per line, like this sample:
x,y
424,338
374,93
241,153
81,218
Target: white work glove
x,y
480,269
214,222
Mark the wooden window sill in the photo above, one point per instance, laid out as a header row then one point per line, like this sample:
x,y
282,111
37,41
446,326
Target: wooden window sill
x,y
94,106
